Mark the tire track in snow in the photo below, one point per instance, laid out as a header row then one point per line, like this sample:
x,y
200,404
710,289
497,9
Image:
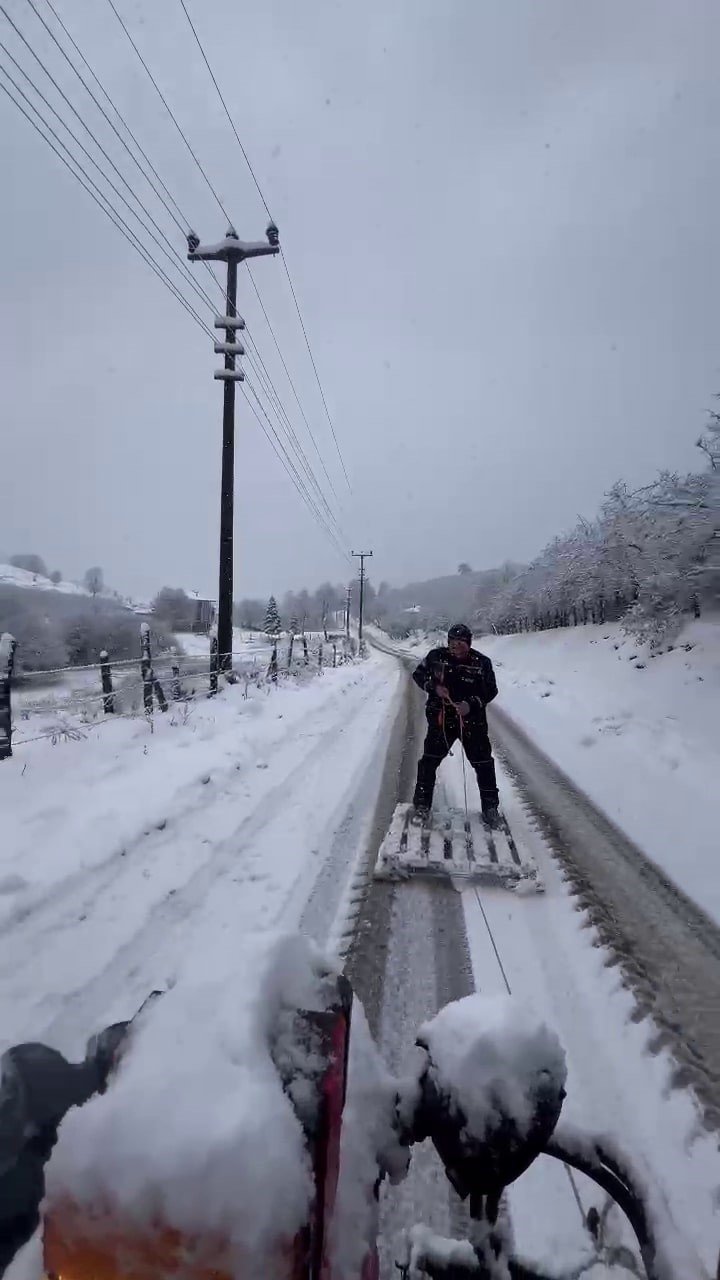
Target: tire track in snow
x,y
408,957
99,877
668,949
147,955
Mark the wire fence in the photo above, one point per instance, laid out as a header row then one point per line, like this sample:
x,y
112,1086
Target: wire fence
x,y
137,688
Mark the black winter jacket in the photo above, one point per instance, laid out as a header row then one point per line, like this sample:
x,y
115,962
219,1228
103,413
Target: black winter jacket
x,y
471,681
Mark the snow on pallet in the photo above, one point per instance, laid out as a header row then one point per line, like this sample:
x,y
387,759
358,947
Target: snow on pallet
x,y
452,846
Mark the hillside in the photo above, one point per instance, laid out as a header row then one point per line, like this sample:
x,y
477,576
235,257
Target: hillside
x,y
444,599
12,577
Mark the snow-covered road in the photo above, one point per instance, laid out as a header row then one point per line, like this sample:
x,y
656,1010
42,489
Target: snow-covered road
x,y
622,1080
129,852
132,858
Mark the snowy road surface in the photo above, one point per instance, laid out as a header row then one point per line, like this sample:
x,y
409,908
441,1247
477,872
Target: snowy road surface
x,y
128,852
422,945
133,856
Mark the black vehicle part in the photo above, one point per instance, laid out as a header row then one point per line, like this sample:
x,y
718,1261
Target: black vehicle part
x,y
38,1086
485,1166
605,1169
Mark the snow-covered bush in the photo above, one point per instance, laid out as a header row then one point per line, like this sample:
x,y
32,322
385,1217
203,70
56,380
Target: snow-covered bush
x,y
54,630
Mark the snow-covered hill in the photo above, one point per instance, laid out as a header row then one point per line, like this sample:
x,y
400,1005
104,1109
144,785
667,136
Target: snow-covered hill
x,y
12,577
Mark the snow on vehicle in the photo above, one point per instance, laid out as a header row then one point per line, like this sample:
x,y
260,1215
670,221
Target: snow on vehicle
x,y
453,844
249,1135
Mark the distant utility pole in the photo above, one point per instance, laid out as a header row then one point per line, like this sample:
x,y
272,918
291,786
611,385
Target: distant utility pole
x,y
231,250
347,613
362,556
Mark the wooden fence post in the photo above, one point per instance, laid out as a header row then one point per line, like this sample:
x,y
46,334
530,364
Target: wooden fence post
x,y
334,655
290,651
306,655
107,684
8,645
176,690
320,655
214,663
146,670
273,668
150,684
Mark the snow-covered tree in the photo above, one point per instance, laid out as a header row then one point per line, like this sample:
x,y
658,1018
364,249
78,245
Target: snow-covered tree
x,y
174,607
56,576
31,563
94,580
273,625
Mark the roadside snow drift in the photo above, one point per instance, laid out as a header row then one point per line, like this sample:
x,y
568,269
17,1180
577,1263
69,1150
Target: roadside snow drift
x,y
636,730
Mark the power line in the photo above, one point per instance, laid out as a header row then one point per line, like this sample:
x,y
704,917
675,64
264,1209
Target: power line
x,y
256,358
336,532
289,376
225,109
277,446
219,202
132,239
315,371
181,222
165,103
185,221
282,255
167,252
99,198
100,108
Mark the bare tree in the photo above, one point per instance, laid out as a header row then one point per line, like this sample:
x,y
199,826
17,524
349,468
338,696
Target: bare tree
x,y
94,580
30,563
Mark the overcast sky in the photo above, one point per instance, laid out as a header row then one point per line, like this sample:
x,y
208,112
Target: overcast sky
x,y
501,220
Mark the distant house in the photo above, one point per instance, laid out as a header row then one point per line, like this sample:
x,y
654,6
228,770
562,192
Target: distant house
x,y
204,612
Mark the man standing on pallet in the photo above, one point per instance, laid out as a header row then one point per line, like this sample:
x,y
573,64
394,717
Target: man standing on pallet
x,y
460,682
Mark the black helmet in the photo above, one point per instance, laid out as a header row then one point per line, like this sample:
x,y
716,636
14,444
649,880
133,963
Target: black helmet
x,y
459,631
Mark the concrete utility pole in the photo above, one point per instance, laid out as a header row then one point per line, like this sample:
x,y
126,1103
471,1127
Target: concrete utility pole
x,y
231,250
347,614
362,556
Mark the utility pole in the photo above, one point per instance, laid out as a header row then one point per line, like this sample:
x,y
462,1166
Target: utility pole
x,y
362,556
231,250
347,614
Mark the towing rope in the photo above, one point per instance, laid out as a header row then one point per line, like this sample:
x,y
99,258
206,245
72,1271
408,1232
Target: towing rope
x,y
568,1170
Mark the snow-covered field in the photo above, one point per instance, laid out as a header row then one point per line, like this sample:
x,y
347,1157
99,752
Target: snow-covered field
x,y
639,734
130,851
12,577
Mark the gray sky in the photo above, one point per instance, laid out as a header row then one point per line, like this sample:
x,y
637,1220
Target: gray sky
x,y
500,217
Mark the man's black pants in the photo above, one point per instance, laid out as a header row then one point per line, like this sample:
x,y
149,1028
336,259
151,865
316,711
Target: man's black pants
x,y
440,738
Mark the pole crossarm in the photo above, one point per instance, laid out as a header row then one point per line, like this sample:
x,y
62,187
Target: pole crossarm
x,y
232,249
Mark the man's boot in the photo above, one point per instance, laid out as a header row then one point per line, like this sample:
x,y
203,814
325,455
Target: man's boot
x,y
491,817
